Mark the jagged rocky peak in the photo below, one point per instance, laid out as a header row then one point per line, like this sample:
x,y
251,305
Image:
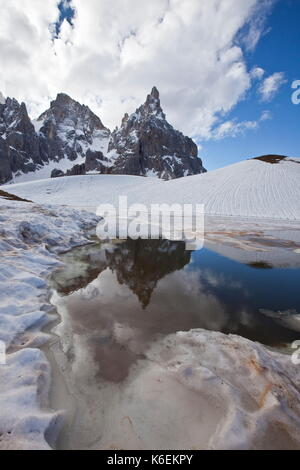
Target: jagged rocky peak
x,y
146,144
20,149
152,105
70,129
2,98
73,140
68,111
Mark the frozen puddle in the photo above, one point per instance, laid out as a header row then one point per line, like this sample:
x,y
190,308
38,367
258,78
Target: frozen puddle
x,y
129,380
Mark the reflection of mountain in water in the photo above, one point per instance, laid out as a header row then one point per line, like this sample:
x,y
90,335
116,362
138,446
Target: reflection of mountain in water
x,y
139,264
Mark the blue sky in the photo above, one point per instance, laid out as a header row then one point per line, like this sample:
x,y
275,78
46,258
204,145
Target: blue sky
x,y
278,50
66,12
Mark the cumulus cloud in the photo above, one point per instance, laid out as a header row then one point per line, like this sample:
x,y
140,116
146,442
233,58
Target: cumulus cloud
x,y
257,73
271,85
255,29
113,53
266,115
233,128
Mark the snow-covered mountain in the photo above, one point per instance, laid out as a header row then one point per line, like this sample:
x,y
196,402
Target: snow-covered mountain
x,y
146,144
19,144
69,139
71,131
252,188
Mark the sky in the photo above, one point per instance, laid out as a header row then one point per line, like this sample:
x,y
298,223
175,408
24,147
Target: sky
x,y
224,68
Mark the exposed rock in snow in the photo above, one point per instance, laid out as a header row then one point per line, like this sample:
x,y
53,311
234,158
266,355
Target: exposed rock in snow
x,y
146,144
30,235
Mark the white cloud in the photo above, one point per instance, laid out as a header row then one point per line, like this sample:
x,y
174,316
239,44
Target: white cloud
x,y
266,115
255,29
271,85
233,128
257,73
117,51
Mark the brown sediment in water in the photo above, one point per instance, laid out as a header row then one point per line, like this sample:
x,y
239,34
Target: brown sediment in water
x,y
275,243
260,265
12,197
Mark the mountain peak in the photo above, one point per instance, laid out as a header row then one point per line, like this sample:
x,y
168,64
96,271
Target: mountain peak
x,y
146,144
62,98
155,93
152,105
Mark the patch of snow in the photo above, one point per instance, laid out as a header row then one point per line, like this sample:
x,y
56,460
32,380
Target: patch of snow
x,y
100,142
37,125
44,172
31,237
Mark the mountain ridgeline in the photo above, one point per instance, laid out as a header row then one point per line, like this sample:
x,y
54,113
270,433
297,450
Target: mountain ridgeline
x,y
69,139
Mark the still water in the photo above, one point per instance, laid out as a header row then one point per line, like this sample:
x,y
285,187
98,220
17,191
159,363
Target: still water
x,y
160,288
116,300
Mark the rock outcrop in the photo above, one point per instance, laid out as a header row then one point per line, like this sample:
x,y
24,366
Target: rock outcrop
x,y
69,130
20,149
146,144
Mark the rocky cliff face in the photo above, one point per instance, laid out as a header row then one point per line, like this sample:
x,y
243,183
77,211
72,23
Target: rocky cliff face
x,y
70,130
70,139
19,144
146,144
68,134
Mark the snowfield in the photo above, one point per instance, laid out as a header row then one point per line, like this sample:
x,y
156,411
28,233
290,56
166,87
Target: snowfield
x,y
251,188
30,238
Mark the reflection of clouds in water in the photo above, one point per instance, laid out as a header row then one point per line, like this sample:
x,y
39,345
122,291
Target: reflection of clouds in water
x,y
113,329
108,330
220,279
287,318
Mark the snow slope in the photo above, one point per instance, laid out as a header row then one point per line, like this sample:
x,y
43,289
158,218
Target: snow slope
x,y
248,188
251,188
87,191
